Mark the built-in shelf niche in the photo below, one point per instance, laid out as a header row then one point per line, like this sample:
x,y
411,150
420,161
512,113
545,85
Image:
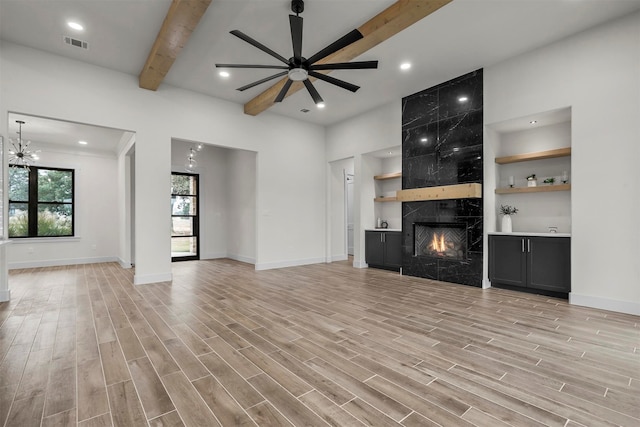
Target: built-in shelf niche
x,y
540,145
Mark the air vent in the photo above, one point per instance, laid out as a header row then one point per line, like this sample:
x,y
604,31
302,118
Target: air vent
x,y
75,42
304,110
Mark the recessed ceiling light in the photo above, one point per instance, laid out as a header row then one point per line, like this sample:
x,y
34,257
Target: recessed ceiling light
x,y
456,149
320,105
390,152
463,99
423,139
224,74
533,122
82,142
75,26
405,65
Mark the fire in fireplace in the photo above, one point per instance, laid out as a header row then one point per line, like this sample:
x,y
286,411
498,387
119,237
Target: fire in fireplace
x,y
440,240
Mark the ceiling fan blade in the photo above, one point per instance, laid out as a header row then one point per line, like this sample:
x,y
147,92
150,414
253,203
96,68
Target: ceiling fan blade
x,y
274,67
266,79
333,80
296,35
259,45
284,91
358,65
343,41
313,92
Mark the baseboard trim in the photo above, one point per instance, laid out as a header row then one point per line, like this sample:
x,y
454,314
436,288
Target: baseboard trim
x,y
124,264
339,258
292,263
5,295
486,283
627,307
213,255
145,279
58,262
360,264
241,258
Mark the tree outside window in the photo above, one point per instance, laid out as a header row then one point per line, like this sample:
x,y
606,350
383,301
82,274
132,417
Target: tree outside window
x,y
40,202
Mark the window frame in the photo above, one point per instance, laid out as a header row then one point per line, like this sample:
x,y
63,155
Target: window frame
x,y
196,217
33,203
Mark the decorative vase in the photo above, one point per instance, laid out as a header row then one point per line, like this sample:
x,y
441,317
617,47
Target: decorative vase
x,y
507,227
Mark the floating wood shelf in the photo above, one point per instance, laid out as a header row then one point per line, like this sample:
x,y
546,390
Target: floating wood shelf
x,y
444,192
388,176
385,199
540,189
550,154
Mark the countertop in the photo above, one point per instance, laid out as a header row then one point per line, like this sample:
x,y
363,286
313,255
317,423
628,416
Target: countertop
x,y
529,234
382,229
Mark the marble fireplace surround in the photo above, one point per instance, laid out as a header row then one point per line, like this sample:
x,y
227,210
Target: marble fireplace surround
x,y
442,172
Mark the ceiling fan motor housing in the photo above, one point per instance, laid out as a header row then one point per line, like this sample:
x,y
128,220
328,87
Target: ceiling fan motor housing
x,y
297,6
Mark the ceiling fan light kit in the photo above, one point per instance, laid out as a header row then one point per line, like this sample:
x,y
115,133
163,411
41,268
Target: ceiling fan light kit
x,y
299,68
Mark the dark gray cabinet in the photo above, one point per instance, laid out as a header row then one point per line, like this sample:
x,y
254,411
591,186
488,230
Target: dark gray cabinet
x,y
531,262
383,249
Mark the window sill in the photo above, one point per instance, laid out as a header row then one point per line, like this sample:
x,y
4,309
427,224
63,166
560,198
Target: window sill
x,y
21,240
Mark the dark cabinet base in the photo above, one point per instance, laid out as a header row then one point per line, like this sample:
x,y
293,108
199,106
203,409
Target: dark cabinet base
x,y
533,264
383,249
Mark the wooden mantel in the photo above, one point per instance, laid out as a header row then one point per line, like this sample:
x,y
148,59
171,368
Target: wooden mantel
x,y
444,192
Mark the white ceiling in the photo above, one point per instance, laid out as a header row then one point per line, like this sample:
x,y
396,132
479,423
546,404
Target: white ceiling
x,y
462,36
43,133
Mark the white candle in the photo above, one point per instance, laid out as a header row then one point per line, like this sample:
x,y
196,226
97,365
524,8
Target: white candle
x,y
512,181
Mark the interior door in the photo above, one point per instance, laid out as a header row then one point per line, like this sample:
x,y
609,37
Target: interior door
x,y
185,224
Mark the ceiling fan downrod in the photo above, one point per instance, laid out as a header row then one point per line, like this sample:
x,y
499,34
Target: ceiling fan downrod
x,y
297,6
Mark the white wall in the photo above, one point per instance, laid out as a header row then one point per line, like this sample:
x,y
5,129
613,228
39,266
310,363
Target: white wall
x,y
290,170
241,206
96,214
596,74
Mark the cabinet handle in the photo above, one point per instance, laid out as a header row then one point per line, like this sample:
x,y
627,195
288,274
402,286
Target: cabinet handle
x,y
528,245
384,238
522,245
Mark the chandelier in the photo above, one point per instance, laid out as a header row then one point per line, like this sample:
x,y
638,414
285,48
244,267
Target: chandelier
x,y
191,163
20,155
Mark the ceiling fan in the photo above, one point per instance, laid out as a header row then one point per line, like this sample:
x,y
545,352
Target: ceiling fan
x,y
298,68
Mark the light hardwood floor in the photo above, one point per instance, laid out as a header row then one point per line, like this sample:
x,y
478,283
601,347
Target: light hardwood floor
x,y
313,345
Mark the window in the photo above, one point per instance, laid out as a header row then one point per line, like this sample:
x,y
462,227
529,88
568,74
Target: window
x,y
185,224
40,202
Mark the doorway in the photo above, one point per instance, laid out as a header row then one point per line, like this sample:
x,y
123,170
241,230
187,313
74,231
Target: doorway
x,y
349,211
185,221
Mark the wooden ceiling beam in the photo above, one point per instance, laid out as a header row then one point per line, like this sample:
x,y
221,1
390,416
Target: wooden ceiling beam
x,y
182,18
389,22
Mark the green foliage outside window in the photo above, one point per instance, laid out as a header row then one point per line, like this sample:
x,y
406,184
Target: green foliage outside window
x,y
42,193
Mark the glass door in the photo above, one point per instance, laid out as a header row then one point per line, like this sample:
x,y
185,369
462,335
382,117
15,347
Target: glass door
x,y
185,227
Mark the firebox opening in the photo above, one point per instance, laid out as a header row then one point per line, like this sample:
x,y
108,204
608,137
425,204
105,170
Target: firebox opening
x,y
440,240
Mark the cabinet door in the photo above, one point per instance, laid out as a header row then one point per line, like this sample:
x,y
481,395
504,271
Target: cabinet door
x,y
374,248
507,261
393,249
549,261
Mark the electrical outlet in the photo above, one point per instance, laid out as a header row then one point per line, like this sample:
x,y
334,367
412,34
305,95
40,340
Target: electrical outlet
x,y
553,229
94,247
29,250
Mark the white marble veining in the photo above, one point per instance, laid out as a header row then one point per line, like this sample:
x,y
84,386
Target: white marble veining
x,y
529,234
